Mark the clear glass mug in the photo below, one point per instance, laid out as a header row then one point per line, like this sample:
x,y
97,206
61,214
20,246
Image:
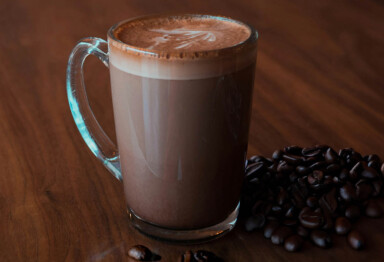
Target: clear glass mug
x,y
182,122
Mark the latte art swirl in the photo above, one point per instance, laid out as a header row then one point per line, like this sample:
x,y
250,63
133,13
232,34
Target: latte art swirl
x,y
181,37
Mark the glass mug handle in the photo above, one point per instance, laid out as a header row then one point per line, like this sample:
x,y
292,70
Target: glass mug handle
x,y
94,136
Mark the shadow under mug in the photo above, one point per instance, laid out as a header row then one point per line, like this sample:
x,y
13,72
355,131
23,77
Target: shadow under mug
x,y
182,123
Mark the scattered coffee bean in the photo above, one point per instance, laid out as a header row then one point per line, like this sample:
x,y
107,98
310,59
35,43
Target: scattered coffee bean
x,y
373,209
310,192
280,234
140,253
356,240
321,238
199,256
293,243
270,228
352,212
342,226
302,231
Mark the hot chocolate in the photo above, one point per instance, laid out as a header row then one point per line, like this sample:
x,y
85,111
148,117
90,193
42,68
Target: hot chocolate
x,y
182,92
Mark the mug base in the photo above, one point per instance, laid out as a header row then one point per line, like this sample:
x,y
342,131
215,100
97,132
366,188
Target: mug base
x,y
185,236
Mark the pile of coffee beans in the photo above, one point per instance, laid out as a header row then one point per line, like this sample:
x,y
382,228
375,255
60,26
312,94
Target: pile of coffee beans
x,y
200,255
311,193
142,253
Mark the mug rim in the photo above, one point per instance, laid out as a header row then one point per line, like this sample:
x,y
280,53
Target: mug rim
x,y
250,42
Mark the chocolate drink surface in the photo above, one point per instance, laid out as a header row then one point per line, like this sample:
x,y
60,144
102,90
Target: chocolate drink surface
x,y
182,121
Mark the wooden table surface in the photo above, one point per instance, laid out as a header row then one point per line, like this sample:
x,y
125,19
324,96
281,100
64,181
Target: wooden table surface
x,y
320,79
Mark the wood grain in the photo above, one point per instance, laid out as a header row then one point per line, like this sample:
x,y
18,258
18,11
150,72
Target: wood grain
x,y
319,80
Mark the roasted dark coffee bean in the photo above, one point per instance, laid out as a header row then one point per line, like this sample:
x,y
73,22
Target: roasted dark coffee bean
x,y
377,186
343,153
295,150
312,202
311,151
315,177
206,256
277,154
187,257
140,253
291,212
331,156
282,196
348,193
343,175
270,228
280,234
356,240
333,169
373,157
373,209
255,159
276,210
302,170
293,177
318,165
374,164
311,160
311,219
355,172
283,167
369,173
292,159
293,243
342,226
302,231
290,222
382,169
363,190
254,170
254,222
321,238
352,212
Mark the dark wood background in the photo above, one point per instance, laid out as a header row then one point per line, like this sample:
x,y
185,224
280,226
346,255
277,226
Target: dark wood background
x,y
320,79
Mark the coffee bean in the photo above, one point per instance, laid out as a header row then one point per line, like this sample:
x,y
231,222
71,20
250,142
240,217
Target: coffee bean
x,y
354,173
292,160
369,173
311,151
290,222
140,252
373,209
282,196
254,222
331,156
312,201
375,165
382,169
352,212
187,257
302,231
347,192
333,169
277,154
373,157
270,228
318,165
377,186
293,243
363,190
283,167
280,234
302,170
254,170
206,256
291,212
343,175
321,238
342,226
311,219
294,150
356,240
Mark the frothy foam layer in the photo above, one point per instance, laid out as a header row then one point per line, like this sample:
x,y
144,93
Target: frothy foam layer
x,y
183,33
